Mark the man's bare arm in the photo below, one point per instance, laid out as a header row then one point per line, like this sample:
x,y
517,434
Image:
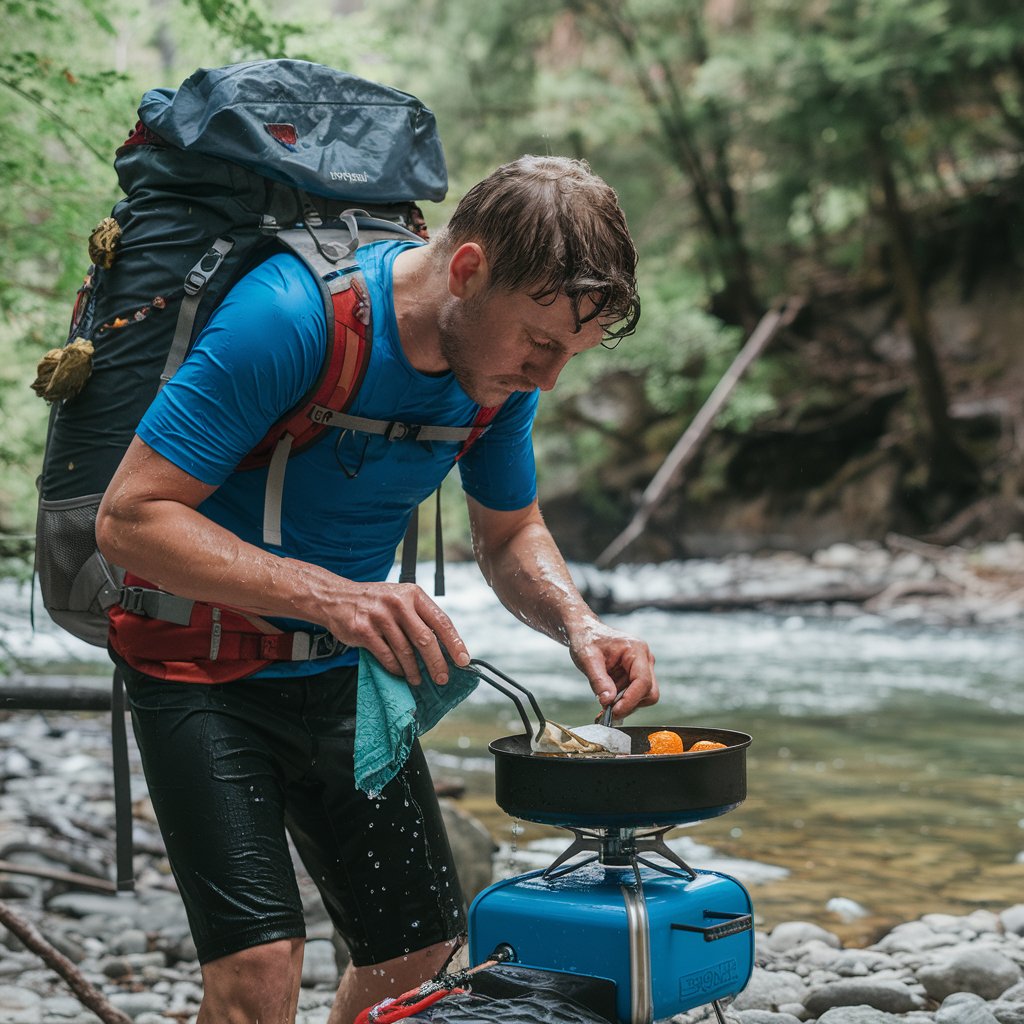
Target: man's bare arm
x,y
148,524
520,560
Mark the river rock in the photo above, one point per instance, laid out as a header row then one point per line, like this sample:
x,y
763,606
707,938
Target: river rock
x,y
1006,1012
765,1017
20,1005
473,849
791,934
319,965
892,996
131,940
134,1004
986,973
965,1013
1012,919
859,1015
767,990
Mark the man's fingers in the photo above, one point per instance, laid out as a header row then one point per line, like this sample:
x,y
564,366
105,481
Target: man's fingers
x,y
443,633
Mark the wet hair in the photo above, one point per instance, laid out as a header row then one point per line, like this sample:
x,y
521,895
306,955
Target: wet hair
x,y
549,226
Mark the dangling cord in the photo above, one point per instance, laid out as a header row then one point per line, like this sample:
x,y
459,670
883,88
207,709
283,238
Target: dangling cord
x,y
438,550
416,999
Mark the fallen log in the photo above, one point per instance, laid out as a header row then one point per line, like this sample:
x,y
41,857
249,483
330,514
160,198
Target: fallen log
x,y
606,604
85,993
696,433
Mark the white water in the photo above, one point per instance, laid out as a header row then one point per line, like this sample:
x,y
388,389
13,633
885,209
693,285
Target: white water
x,y
716,662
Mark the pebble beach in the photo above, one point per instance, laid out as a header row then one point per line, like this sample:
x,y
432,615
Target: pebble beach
x,y
56,813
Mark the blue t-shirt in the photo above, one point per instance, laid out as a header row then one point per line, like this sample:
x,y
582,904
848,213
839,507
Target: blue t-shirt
x,y
347,498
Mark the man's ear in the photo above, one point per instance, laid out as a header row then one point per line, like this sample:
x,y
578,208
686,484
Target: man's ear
x,y
468,272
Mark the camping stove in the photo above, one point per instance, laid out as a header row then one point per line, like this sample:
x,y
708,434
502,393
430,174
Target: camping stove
x,y
618,921
620,910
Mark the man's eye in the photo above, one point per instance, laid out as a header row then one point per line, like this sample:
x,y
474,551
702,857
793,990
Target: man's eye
x,y
538,343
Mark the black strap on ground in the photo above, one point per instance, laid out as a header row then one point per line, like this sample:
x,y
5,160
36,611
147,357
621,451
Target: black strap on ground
x,y
122,786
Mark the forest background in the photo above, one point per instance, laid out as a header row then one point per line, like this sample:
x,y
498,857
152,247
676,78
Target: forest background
x,y
861,157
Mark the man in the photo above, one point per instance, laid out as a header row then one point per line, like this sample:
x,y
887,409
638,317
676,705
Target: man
x,y
535,267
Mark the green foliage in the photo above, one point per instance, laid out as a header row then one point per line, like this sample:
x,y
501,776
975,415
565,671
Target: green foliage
x,y
737,135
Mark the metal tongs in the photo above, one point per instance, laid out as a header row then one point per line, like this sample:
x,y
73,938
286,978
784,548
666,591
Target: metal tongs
x,y
480,668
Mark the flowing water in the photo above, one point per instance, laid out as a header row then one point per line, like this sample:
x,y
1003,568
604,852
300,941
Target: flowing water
x,y
886,776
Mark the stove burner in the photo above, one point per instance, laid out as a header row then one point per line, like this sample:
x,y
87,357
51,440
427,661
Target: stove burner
x,y
620,847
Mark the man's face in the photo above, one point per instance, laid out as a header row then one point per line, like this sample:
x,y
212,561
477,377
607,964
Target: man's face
x,y
498,342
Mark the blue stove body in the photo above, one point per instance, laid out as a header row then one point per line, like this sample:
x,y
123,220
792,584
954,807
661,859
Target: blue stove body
x,y
668,944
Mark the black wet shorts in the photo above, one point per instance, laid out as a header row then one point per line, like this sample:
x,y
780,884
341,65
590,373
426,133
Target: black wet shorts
x,y
230,767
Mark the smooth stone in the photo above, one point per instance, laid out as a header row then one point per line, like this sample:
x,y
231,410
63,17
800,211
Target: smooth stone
x,y
859,962
913,937
859,1015
984,972
319,966
83,904
1007,1013
965,1013
19,1005
791,934
61,1007
132,940
473,849
891,996
767,990
793,1009
134,1004
1012,919
766,1017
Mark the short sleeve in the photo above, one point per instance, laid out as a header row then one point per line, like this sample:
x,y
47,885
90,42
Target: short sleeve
x,y
261,351
499,470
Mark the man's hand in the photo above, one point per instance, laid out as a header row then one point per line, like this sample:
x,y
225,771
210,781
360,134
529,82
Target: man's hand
x,y
395,622
521,561
149,523
620,667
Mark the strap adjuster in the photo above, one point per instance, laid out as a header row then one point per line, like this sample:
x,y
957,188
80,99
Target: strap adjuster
x,y
325,645
132,599
396,431
304,646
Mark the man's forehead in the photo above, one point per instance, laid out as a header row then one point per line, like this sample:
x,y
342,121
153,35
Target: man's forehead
x,y
555,322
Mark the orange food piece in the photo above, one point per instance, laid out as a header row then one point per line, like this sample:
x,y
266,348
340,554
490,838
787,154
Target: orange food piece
x,y
706,745
665,742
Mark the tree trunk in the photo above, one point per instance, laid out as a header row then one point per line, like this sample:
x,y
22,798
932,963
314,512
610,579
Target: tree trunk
x,y
950,467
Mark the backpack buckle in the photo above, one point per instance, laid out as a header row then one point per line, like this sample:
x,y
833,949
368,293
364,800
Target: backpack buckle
x,y
314,646
132,600
396,431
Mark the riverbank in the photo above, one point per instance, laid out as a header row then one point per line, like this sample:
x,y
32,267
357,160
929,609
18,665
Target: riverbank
x,y
56,811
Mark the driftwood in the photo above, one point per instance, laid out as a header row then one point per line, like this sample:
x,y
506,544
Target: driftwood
x,y
85,993
79,881
689,444
605,604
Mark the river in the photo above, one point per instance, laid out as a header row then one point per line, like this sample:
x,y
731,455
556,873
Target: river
x,y
886,776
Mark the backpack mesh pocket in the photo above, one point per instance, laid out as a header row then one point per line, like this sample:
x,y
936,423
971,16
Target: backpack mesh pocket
x,y
76,582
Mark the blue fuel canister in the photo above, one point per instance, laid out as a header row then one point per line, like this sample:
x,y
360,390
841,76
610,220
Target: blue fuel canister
x,y
668,944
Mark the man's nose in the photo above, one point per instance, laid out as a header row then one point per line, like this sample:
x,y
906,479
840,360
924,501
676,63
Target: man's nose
x,y
544,372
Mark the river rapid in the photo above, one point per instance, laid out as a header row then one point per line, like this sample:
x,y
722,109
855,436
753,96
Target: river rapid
x,y
886,774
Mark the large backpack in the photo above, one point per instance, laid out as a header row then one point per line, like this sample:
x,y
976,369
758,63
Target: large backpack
x,y
234,165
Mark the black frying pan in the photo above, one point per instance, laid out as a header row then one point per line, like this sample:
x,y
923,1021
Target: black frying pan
x,y
616,792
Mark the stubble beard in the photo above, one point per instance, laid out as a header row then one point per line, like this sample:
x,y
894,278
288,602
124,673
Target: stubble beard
x,y
455,329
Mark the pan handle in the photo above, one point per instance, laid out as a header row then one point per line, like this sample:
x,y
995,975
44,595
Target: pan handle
x,y
476,665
